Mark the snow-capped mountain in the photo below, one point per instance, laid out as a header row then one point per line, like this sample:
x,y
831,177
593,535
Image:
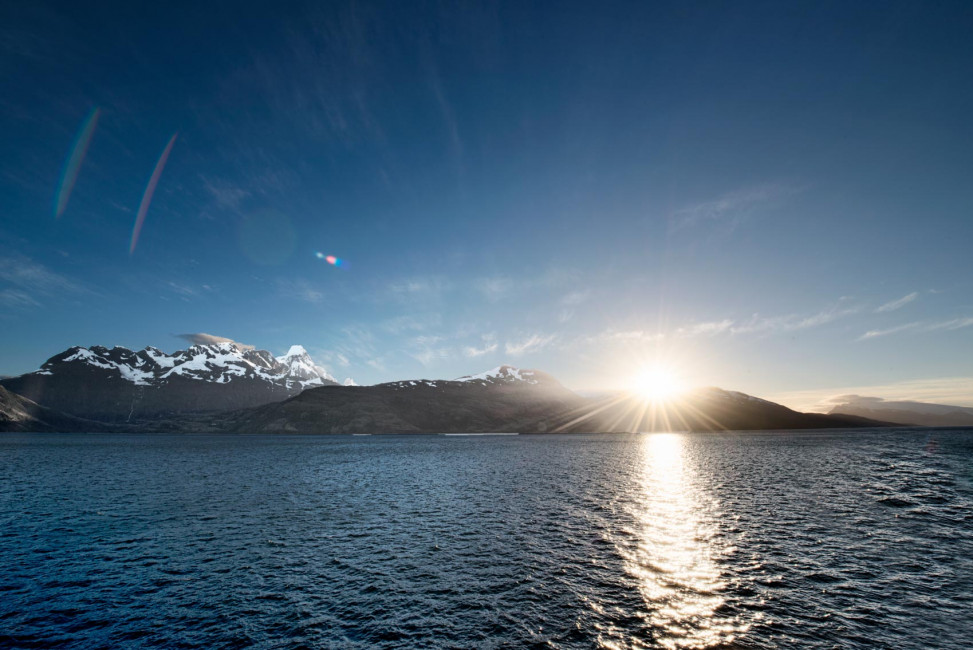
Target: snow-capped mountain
x,y
118,383
218,362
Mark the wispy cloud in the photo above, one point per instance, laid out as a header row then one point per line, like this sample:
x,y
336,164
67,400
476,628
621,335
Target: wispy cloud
x,y
225,194
575,298
449,118
202,338
920,326
299,289
898,304
185,291
14,299
474,352
411,323
427,287
871,334
376,364
728,210
530,344
612,335
757,324
569,304
495,288
29,283
489,345
354,345
711,328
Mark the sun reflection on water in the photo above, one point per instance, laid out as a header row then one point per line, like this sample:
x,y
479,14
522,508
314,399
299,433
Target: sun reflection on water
x,y
674,556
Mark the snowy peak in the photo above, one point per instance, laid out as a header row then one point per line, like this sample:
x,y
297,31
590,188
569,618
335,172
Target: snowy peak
x,y
295,351
504,374
302,369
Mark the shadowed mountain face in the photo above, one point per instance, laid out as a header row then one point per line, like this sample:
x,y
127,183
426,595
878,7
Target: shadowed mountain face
x,y
119,385
915,413
20,414
511,400
505,399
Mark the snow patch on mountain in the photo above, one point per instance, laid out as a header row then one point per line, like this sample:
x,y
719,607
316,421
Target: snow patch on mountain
x,y
503,374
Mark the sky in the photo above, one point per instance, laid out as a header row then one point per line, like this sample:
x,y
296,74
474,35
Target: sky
x,y
769,197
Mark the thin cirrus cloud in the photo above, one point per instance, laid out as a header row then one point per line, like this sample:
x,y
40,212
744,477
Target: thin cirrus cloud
x,y
14,299
29,284
730,209
920,326
472,352
532,343
705,329
756,325
299,289
899,303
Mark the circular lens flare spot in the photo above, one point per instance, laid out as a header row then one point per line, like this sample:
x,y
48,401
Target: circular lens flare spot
x,y
330,259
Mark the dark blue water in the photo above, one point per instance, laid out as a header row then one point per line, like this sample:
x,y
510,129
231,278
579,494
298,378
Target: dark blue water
x,y
813,540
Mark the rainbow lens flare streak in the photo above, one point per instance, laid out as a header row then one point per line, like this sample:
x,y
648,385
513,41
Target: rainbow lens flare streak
x,y
330,259
69,175
149,191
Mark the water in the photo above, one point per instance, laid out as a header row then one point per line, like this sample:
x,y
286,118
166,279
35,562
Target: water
x,y
810,540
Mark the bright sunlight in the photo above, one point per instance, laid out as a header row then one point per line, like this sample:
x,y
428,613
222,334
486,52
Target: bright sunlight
x,y
657,384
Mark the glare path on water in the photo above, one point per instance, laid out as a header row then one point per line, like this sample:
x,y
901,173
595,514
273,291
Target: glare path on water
x,y
673,556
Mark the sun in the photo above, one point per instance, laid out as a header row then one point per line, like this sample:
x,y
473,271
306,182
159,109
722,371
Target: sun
x,y
657,384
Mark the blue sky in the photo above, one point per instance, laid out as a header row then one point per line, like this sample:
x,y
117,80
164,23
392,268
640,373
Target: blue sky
x,y
769,197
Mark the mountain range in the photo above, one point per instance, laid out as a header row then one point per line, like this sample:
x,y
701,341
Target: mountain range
x,y
226,387
119,385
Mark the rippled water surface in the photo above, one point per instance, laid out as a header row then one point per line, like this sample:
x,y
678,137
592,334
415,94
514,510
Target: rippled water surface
x,y
826,540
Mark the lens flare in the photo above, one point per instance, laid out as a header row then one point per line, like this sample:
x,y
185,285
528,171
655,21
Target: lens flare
x,y
149,191
330,259
69,175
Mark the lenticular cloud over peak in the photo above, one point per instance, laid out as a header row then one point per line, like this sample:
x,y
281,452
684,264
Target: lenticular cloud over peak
x,y
202,338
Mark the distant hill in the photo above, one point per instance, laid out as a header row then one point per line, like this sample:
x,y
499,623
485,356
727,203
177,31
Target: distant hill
x,y
902,412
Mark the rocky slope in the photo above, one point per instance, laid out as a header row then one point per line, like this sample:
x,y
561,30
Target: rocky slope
x,y
20,414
